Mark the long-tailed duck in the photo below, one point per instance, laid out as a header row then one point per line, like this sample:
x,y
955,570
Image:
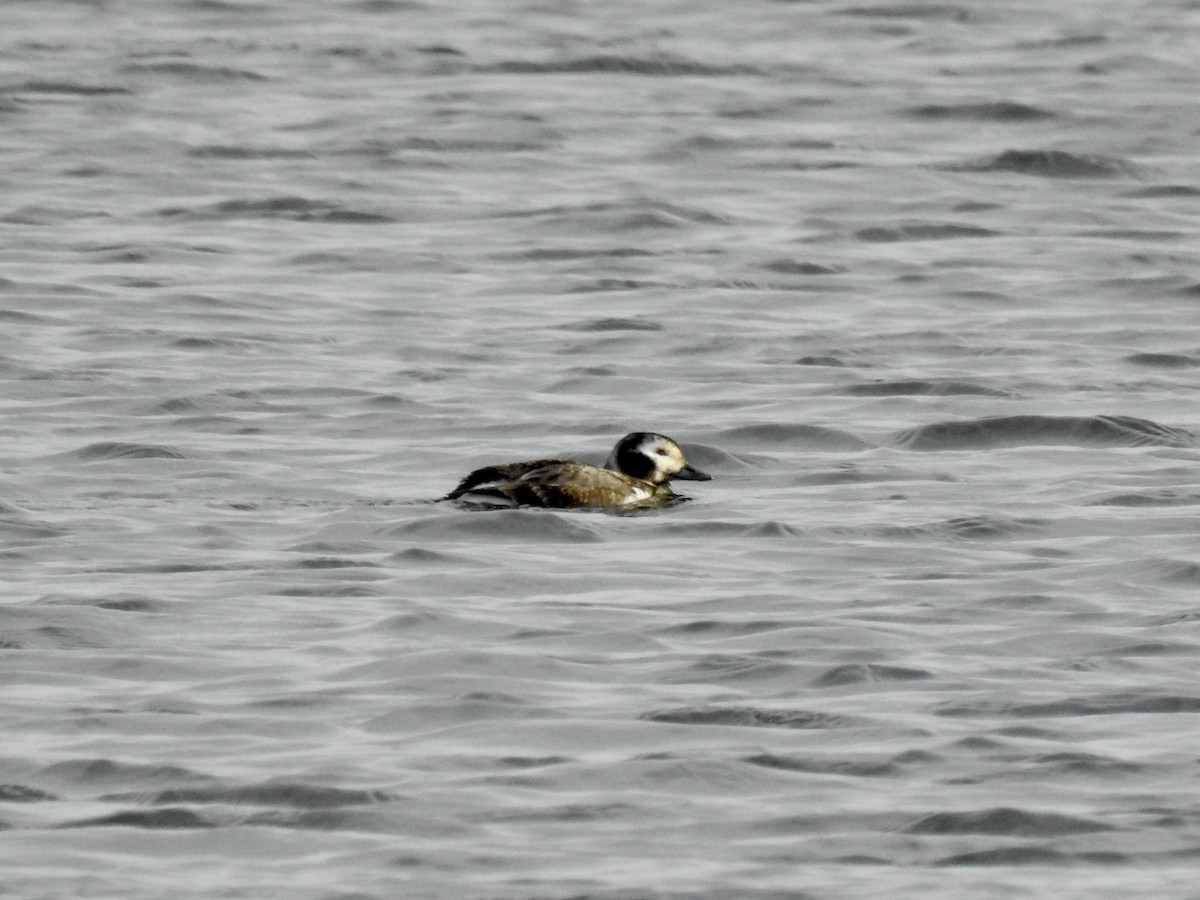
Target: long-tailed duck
x,y
636,474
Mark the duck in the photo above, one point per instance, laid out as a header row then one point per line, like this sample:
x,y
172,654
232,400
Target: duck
x,y
637,474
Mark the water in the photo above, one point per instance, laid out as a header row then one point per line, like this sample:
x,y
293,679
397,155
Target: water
x,y
917,283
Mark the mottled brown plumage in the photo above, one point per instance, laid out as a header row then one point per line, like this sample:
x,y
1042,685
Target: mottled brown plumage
x,y
636,474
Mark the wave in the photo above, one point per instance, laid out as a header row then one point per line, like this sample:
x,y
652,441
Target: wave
x,y
1104,705
998,111
722,628
1164,360
852,768
967,528
136,603
292,804
171,817
718,529
611,64
787,266
1005,820
1030,430
1089,765
110,450
1164,497
16,525
299,209
502,525
620,216
923,387
792,436
302,796
923,231
748,716
860,673
109,771
1157,191
240,152
195,72
321,820
608,285
1050,164
948,11
827,361
1024,855
613,324
571,254
19,793
69,88
470,145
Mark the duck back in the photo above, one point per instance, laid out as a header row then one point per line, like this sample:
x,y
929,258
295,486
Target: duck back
x,y
554,483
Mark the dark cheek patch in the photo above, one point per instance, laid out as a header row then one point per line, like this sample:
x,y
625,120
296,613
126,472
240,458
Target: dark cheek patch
x,y
635,464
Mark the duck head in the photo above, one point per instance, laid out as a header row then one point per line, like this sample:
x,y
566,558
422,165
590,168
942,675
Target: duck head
x,y
652,457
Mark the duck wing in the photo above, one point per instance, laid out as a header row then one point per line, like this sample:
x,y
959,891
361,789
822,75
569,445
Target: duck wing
x,y
494,480
553,483
565,485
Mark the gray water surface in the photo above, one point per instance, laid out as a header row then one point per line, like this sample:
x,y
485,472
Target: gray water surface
x,y
917,282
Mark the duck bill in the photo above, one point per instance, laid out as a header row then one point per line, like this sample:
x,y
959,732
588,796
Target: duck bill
x,y
691,473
